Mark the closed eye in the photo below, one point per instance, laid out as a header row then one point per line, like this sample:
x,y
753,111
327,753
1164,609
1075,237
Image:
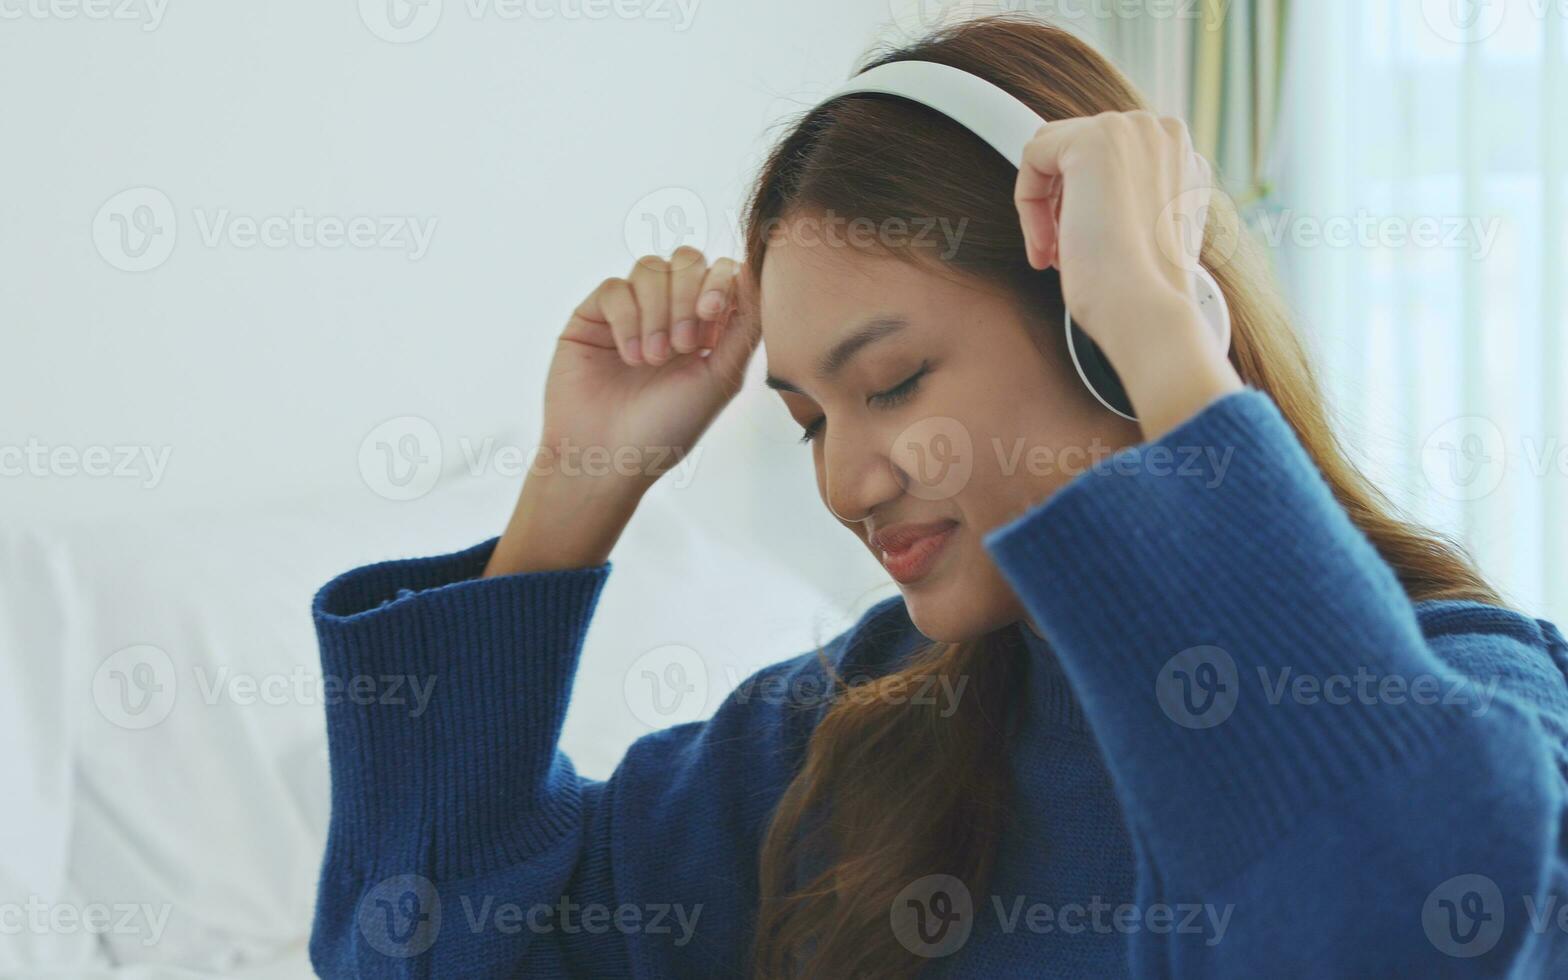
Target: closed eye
x,y
896,395
901,392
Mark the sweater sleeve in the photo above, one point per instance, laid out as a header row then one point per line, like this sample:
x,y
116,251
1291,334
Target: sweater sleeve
x,y
454,797
1314,786
463,844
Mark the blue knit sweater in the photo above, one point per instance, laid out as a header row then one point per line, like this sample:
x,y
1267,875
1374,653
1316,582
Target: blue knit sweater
x,y
1243,752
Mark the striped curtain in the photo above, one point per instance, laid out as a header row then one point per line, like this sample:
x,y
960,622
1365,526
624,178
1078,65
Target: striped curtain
x,y
1237,64
1414,201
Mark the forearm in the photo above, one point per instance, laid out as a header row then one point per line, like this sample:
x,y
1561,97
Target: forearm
x,y
565,521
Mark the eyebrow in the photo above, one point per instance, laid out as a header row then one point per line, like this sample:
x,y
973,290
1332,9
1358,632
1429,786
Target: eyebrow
x,y
831,363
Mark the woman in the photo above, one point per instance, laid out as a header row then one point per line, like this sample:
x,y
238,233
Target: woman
x,y
1205,707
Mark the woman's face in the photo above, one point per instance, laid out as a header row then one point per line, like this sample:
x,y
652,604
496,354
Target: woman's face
x,y
935,416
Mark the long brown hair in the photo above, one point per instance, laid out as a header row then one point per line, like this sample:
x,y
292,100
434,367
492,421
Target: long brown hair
x,y
906,790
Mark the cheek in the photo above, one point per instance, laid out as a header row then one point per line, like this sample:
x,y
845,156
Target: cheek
x,y
939,456
994,455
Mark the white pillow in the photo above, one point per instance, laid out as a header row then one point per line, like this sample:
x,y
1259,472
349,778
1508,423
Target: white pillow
x,y
35,768
204,792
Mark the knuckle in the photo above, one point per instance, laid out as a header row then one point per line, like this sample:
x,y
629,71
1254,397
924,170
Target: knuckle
x,y
616,293
687,257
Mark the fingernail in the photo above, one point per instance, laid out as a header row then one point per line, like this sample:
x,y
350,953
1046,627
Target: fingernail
x,y
685,335
633,350
712,301
658,346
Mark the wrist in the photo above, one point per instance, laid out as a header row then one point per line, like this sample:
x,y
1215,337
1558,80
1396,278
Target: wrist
x,y
564,521
1168,361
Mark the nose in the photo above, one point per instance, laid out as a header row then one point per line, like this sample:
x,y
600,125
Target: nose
x,y
858,472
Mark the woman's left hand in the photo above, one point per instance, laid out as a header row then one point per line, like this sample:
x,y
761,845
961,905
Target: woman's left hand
x,y
1116,202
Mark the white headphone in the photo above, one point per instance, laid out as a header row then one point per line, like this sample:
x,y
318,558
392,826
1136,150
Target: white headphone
x,y
1007,124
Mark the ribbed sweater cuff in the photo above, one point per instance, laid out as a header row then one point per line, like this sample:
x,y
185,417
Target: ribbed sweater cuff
x,y
1187,585
450,694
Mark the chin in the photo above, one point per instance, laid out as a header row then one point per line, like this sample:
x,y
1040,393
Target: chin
x,y
956,611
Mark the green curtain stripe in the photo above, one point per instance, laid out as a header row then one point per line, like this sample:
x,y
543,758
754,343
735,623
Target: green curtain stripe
x,y
1238,60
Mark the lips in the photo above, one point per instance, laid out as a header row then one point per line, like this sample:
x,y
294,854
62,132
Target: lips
x,y
909,550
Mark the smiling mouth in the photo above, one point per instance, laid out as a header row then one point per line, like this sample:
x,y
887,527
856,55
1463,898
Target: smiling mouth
x,y
910,552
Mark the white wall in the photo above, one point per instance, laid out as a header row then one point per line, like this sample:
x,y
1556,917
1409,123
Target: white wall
x,y
526,147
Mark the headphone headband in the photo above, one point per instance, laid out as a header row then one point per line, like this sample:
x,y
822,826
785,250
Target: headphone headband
x,y
989,111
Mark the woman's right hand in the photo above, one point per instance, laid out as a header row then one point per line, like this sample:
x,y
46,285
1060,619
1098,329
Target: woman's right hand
x,y
629,393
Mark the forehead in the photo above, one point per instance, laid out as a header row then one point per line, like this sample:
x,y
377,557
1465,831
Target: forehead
x,y
811,287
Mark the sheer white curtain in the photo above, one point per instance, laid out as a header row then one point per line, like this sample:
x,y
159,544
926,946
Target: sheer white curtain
x,y
1420,229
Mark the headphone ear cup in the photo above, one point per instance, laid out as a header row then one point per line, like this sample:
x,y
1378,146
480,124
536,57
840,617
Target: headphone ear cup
x,y
1096,371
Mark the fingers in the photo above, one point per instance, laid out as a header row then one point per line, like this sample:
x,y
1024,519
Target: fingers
x,y
740,334
716,300
688,271
662,309
1038,191
650,281
1095,141
606,318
